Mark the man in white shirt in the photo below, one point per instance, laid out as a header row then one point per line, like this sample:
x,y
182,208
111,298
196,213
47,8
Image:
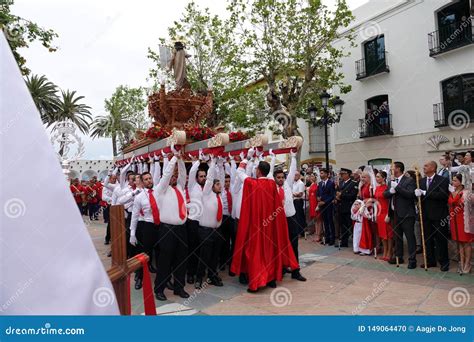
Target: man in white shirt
x,y
110,183
145,223
286,191
298,188
196,180
172,233
210,238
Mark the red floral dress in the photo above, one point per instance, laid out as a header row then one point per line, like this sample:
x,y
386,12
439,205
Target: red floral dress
x,y
366,239
456,219
384,229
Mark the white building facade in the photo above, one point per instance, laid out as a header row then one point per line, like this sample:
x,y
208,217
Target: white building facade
x,y
86,169
412,78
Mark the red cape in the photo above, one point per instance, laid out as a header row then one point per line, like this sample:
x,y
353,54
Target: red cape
x,y
262,247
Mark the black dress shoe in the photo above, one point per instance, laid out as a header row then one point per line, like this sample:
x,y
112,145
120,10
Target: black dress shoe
x,y
272,284
243,279
330,243
215,281
106,243
151,268
198,283
429,265
411,265
190,279
138,284
342,245
109,254
181,293
252,291
231,274
444,268
419,250
393,261
160,296
298,276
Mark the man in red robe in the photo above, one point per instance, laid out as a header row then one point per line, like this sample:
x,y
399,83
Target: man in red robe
x,y
262,246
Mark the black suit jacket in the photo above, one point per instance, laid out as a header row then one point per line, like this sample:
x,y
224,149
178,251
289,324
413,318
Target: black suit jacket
x,y
404,197
435,202
349,192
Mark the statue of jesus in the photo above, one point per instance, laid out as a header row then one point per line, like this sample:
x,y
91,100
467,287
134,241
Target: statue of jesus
x,y
178,65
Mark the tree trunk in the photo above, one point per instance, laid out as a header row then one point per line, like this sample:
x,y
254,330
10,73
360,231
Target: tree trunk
x,y
114,144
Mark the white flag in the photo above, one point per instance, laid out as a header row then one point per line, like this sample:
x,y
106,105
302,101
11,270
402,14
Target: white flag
x,y
48,264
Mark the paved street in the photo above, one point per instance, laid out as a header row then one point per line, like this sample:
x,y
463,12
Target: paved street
x,y
339,283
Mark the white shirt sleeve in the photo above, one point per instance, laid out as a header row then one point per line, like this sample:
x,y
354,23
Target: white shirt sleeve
x,y
167,173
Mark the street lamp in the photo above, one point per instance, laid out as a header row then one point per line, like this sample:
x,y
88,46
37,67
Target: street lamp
x,y
327,119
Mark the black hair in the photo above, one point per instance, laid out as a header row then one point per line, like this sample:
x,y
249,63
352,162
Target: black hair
x,y
383,174
200,170
144,174
400,165
264,168
458,177
277,172
227,176
324,170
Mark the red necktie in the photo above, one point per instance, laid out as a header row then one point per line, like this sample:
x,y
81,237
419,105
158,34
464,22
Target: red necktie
x,y
154,208
219,208
281,192
188,199
181,205
229,201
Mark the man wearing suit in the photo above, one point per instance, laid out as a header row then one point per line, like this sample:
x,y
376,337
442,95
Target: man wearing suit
x,y
345,197
401,192
434,195
326,195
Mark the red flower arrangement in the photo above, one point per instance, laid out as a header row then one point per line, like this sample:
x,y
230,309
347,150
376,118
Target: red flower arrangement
x,y
156,132
197,133
238,136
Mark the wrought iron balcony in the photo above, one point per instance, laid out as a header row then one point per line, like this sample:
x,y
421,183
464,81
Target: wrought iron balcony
x,y
451,37
452,115
375,126
368,67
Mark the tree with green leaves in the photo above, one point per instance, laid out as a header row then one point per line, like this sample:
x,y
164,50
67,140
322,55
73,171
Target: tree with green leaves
x,y
126,113
288,51
211,43
71,109
21,32
44,94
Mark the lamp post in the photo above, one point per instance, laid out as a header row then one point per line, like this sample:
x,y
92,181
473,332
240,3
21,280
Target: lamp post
x,y
327,118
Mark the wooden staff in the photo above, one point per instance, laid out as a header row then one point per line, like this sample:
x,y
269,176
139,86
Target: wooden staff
x,y
417,174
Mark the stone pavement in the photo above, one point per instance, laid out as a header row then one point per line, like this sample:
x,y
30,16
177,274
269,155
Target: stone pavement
x,y
339,283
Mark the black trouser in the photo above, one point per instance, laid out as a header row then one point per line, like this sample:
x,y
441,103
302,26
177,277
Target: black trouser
x,y
345,222
93,210
228,240
147,241
300,217
293,232
106,213
210,240
193,246
131,249
329,231
172,242
405,225
436,240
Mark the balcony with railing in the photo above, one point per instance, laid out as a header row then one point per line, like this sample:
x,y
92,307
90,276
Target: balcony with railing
x,y
450,37
373,127
456,116
372,66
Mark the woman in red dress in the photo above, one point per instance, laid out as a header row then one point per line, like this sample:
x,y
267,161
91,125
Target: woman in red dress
x,y
314,215
365,194
384,228
456,218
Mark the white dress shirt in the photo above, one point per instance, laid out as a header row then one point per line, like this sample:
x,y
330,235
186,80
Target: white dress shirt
x,y
288,186
237,189
141,203
166,196
297,186
195,192
208,217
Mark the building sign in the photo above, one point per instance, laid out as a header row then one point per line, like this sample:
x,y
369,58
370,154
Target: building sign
x,y
436,141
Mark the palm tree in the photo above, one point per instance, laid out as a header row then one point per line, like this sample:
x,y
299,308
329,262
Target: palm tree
x,y
71,110
44,94
112,125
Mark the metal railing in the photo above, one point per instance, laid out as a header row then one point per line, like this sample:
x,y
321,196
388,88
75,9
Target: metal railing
x,y
366,68
451,37
375,126
456,115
